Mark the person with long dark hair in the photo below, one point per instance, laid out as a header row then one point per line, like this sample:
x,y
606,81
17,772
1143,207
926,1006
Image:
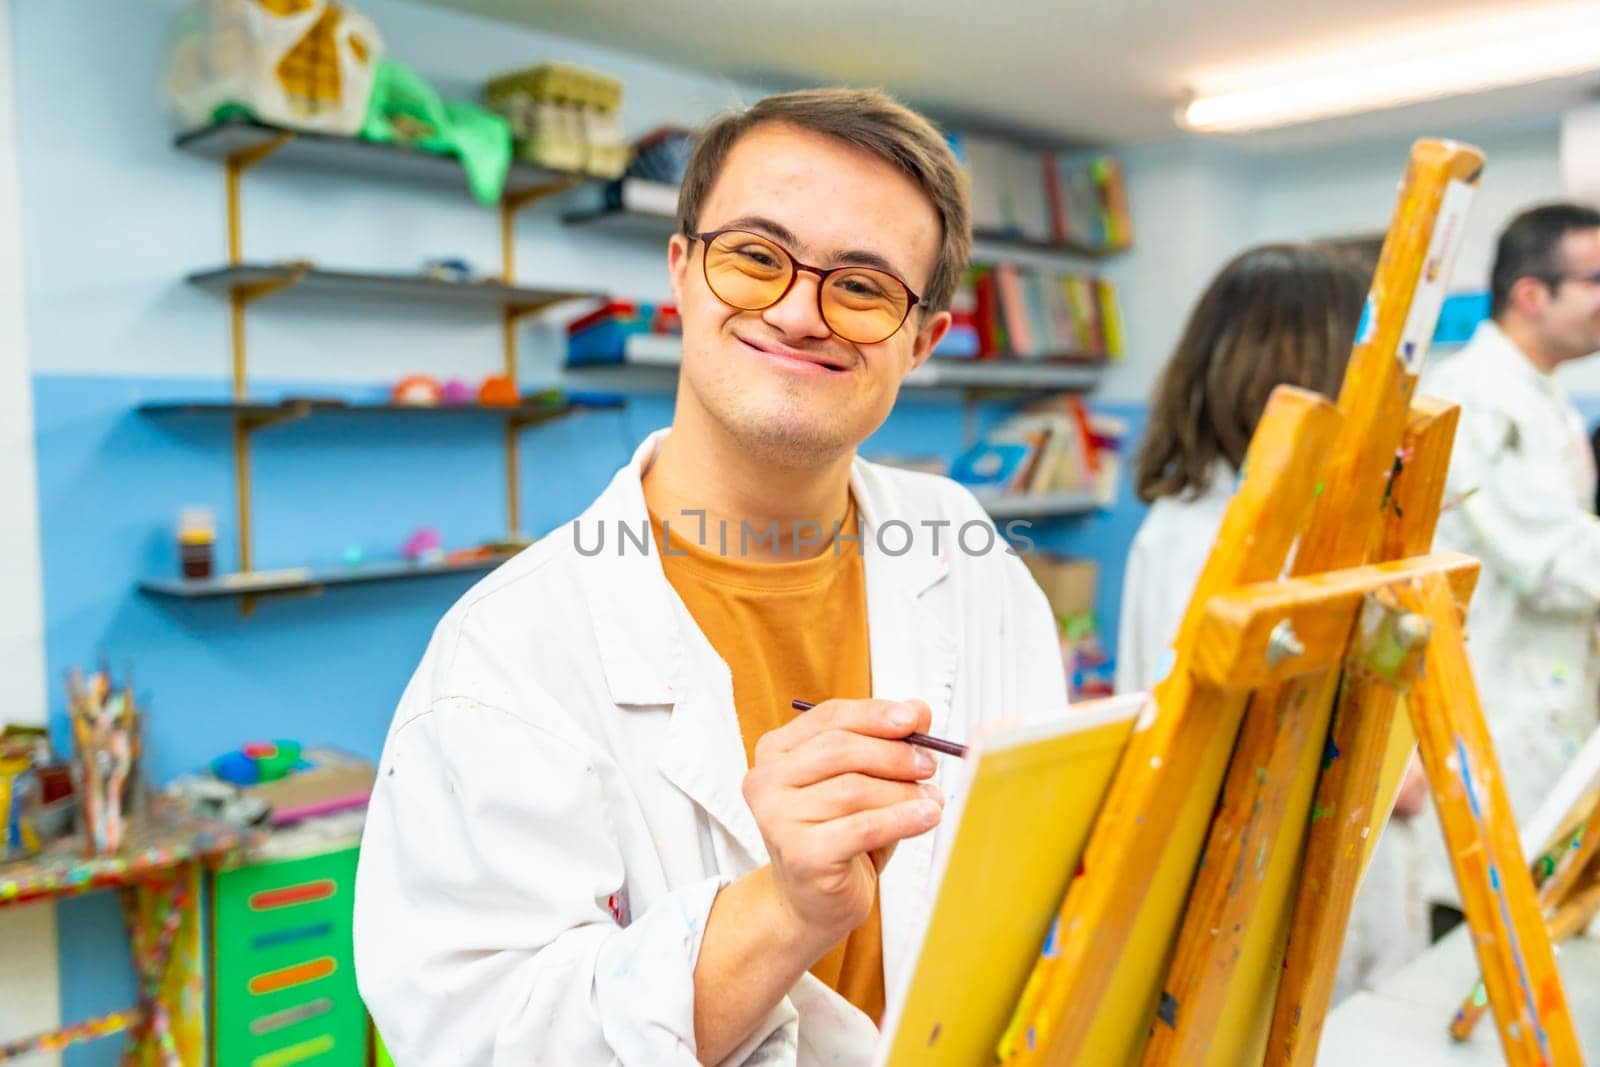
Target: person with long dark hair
x,y
1278,314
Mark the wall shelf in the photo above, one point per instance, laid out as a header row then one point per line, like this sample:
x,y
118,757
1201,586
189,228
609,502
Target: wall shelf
x,y
1026,375
653,360
636,208
262,413
306,581
236,138
240,145
644,209
630,208
1005,506
989,245
249,279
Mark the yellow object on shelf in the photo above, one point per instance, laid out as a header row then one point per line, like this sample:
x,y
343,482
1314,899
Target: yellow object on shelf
x,y
563,117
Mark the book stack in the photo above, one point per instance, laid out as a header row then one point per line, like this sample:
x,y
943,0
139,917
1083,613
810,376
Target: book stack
x,y
1055,445
1048,197
611,334
1007,310
662,155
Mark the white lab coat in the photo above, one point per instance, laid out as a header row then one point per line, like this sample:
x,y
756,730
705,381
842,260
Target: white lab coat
x,y
1522,455
1388,926
1164,565
559,798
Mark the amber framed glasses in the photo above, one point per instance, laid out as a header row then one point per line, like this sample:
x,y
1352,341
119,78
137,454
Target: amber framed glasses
x,y
862,305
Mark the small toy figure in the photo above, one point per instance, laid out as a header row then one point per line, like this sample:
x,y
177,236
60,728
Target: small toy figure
x,y
499,391
456,391
257,761
417,390
448,269
423,546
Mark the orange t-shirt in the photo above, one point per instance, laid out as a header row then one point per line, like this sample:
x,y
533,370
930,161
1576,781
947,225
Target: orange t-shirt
x,y
792,629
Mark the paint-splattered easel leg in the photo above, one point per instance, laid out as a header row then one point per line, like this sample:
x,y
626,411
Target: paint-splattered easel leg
x,y
1497,894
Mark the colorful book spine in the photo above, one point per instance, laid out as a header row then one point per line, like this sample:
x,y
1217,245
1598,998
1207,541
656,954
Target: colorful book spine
x,y
1110,319
1114,201
991,331
1013,311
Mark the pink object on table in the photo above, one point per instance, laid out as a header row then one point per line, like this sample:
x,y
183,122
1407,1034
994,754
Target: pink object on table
x,y
285,816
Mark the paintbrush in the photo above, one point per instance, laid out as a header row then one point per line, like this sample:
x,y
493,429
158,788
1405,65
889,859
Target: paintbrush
x,y
937,744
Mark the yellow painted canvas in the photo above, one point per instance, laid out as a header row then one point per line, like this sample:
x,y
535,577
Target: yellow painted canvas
x,y
1019,825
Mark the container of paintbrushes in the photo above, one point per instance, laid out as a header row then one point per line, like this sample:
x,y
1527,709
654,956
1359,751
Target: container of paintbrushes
x,y
106,734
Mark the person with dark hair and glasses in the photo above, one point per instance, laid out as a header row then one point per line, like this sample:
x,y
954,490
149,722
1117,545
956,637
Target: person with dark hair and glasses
x,y
601,832
1521,498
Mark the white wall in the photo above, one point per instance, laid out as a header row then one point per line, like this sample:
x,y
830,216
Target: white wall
x,y
1351,188
29,990
91,153
1191,212
1198,203
21,619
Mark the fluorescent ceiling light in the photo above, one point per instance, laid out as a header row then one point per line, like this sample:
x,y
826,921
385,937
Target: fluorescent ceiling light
x,y
1559,51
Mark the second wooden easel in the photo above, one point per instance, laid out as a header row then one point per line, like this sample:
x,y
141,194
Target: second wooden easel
x,y
1270,749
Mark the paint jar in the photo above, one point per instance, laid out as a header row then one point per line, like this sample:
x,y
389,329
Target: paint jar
x,y
19,805
197,542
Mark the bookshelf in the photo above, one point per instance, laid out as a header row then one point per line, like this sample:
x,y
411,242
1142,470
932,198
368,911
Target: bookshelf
x,y
1065,321
630,209
640,209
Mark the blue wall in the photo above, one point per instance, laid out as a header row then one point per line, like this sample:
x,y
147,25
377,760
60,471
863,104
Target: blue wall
x,y
327,669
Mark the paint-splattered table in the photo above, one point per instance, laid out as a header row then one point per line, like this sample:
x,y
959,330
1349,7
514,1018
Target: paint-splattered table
x,y
157,874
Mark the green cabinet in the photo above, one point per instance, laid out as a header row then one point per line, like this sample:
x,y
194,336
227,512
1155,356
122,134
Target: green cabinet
x,y
284,982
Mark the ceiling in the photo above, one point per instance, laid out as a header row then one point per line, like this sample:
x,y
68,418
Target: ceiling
x,y
1087,70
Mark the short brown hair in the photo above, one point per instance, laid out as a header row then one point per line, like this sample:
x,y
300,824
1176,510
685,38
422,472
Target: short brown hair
x,y
1529,247
865,119
1276,315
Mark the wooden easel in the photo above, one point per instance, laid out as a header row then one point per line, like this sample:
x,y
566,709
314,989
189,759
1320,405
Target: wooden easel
x,y
1272,742
1566,868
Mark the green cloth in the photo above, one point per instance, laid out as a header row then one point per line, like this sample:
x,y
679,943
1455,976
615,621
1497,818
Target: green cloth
x,y
405,109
